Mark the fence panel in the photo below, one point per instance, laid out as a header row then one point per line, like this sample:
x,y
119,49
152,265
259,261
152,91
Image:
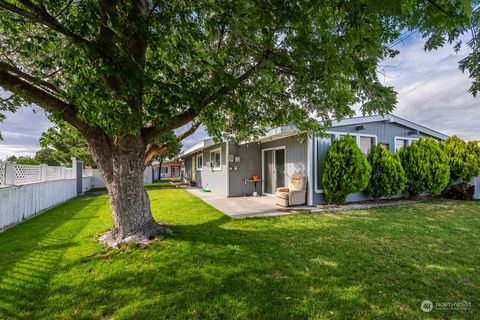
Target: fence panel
x,y
69,173
87,172
2,172
54,173
20,202
26,173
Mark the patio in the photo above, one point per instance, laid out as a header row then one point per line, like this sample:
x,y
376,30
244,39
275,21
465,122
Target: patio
x,y
243,207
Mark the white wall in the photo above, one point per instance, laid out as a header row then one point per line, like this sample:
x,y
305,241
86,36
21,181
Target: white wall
x,y
20,202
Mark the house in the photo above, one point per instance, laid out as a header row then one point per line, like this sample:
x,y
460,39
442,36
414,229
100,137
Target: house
x,y
226,167
168,169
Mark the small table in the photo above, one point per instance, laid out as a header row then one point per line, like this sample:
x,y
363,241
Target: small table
x,y
255,186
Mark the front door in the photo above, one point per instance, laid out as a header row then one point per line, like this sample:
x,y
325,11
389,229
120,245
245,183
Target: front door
x,y
273,169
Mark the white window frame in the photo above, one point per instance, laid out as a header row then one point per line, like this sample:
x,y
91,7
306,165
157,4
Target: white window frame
x,y
199,168
409,141
219,150
275,175
336,135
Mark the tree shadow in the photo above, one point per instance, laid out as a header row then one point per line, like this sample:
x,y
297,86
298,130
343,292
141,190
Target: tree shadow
x,y
32,250
230,269
358,265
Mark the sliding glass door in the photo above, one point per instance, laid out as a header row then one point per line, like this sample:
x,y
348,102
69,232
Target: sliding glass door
x,y
273,169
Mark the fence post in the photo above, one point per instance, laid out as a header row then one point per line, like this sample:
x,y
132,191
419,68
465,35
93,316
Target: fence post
x,y
10,173
77,166
62,172
43,172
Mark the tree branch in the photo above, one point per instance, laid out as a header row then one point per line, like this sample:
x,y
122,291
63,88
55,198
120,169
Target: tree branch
x,y
156,149
44,84
149,134
436,5
40,15
39,96
95,137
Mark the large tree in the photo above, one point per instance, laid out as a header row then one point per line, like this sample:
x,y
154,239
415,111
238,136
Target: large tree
x,y
125,72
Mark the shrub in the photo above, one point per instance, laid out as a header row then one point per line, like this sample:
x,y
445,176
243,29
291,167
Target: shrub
x,y
345,170
388,176
460,191
463,158
426,167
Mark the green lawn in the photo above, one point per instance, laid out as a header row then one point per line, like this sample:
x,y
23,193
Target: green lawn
x,y
375,264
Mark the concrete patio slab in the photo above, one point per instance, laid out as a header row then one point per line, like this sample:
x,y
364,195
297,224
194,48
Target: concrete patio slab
x,y
242,207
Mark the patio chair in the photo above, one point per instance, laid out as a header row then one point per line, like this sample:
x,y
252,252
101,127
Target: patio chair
x,y
295,194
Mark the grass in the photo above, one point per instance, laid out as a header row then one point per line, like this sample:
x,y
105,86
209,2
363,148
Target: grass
x,y
373,264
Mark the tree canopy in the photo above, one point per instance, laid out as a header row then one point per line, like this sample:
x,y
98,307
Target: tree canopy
x,y
238,66
62,142
124,73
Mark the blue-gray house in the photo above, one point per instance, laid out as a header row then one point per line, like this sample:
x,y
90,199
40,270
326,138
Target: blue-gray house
x,y
284,151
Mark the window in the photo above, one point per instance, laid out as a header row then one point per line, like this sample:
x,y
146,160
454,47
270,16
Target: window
x,y
164,170
200,162
216,159
366,144
400,143
385,146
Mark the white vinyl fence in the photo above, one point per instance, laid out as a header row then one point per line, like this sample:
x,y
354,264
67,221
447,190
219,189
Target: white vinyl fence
x,y
26,190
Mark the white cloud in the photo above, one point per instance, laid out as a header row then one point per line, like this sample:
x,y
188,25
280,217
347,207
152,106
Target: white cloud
x,y
21,131
432,91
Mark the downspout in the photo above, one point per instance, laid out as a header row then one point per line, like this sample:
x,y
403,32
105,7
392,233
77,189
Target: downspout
x,y
310,155
228,169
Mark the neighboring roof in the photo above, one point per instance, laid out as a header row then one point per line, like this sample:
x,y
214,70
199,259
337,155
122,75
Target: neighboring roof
x,y
285,131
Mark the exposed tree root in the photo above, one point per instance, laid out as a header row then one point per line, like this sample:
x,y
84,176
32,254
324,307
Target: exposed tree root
x,y
146,235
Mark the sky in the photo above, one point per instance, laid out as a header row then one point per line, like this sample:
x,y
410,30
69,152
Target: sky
x,y
432,92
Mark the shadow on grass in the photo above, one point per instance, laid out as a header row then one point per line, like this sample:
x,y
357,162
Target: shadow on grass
x,y
360,265
149,187
31,252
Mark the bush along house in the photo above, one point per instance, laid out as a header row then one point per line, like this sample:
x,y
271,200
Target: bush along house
x,y
226,168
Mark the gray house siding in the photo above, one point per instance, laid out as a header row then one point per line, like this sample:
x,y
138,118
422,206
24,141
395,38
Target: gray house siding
x,y
385,133
250,164
295,155
302,156
215,180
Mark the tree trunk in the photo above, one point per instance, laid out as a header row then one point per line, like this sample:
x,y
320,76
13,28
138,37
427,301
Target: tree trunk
x,y
122,167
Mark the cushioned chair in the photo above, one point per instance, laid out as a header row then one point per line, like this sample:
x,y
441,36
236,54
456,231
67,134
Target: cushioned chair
x,y
295,194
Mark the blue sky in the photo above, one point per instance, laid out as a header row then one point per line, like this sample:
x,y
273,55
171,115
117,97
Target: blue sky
x,y
431,91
